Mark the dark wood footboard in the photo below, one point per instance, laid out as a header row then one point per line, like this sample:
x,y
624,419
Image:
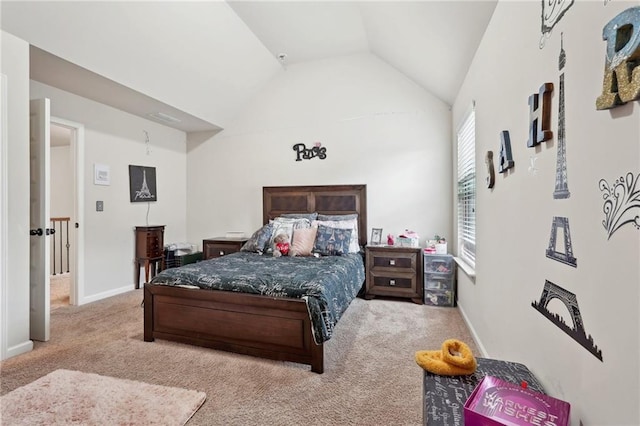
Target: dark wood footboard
x,y
248,324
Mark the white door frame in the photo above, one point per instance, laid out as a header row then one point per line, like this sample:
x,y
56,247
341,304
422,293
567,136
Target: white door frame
x,y
76,292
4,226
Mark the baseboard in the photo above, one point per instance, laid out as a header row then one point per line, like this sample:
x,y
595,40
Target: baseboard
x,y
476,338
19,349
104,295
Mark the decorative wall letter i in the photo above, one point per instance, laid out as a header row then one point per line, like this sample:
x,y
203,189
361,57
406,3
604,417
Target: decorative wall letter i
x,y
540,116
621,82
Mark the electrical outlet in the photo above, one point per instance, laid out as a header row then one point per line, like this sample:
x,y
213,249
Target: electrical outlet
x,y
99,206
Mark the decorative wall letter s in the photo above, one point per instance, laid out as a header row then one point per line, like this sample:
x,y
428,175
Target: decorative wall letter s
x,y
540,115
491,174
302,152
621,82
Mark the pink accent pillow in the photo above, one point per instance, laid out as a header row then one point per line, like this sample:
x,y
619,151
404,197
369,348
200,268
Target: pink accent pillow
x,y
302,242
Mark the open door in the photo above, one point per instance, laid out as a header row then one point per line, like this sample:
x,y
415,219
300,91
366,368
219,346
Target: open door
x,y
40,260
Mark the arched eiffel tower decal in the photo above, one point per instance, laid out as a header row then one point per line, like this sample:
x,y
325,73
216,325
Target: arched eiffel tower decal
x,y
570,300
562,189
552,253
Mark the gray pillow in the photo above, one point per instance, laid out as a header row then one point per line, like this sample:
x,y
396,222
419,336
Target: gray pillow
x,y
257,243
337,216
309,216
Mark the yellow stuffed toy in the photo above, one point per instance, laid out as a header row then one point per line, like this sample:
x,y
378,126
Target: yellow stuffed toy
x,y
454,359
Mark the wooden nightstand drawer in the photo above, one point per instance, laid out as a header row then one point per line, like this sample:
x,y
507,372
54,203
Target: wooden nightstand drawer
x,y
406,282
221,246
394,272
396,261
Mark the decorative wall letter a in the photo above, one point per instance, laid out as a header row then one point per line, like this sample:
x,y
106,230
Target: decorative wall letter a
x,y
506,158
540,116
621,82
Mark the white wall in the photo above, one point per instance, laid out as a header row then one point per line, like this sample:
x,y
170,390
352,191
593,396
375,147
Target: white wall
x,y
379,129
514,219
117,139
15,315
61,205
61,181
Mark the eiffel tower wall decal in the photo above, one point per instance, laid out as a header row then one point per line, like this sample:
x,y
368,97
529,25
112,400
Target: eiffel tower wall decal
x,y
142,184
565,256
562,189
576,328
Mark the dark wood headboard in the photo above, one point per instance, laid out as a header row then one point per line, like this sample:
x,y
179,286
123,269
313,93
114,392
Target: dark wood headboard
x,y
324,199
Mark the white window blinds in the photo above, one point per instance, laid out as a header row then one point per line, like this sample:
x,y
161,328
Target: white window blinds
x,y
467,189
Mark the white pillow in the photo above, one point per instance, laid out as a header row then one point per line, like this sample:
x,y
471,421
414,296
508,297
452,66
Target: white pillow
x,y
354,246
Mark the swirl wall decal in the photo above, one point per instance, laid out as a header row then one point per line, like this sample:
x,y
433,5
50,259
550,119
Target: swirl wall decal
x,y
621,203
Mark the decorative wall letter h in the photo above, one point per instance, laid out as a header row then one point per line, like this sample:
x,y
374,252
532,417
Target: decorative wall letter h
x,y
540,116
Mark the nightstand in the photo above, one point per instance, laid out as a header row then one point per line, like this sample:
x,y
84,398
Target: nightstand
x,y
220,246
149,251
394,272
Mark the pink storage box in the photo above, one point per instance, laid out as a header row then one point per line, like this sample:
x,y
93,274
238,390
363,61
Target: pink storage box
x,y
496,402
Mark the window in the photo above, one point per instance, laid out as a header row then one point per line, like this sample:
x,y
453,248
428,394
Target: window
x,y
467,189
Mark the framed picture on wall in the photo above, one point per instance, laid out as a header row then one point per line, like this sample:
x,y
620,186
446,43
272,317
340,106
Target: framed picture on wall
x,y
142,184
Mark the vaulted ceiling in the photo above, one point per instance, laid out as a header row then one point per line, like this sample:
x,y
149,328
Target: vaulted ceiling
x,y
216,55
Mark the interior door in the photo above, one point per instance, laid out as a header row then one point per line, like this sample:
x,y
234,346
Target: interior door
x,y
40,260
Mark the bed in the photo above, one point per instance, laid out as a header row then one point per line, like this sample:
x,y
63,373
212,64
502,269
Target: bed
x,y
288,326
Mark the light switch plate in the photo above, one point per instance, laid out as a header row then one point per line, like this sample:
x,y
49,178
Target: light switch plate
x,y
99,206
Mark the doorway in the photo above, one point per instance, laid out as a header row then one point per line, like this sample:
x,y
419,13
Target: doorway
x,y
66,183
61,212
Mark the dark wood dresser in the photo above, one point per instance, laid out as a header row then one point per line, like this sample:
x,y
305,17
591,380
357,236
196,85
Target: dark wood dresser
x,y
220,246
149,251
394,272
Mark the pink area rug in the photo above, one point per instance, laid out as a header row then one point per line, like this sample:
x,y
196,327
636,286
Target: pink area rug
x,y
74,397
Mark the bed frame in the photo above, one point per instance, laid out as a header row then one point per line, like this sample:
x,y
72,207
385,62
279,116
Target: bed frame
x,y
250,324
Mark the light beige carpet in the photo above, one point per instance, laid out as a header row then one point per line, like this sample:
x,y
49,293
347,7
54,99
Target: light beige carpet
x,y
370,378
74,397
60,286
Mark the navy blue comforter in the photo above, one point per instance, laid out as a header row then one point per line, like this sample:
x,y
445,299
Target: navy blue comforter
x,y
328,284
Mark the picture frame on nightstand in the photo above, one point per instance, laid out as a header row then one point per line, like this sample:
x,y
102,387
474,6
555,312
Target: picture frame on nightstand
x,y
376,236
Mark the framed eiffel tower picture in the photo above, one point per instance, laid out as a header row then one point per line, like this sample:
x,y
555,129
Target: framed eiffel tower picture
x,y
142,184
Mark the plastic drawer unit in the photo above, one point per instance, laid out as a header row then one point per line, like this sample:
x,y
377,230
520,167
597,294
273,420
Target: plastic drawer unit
x,y
439,280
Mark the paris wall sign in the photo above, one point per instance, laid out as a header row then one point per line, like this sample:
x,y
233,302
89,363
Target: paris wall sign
x,y
142,184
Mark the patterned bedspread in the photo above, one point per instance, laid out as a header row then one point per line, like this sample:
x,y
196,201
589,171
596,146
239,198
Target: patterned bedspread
x,y
328,284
